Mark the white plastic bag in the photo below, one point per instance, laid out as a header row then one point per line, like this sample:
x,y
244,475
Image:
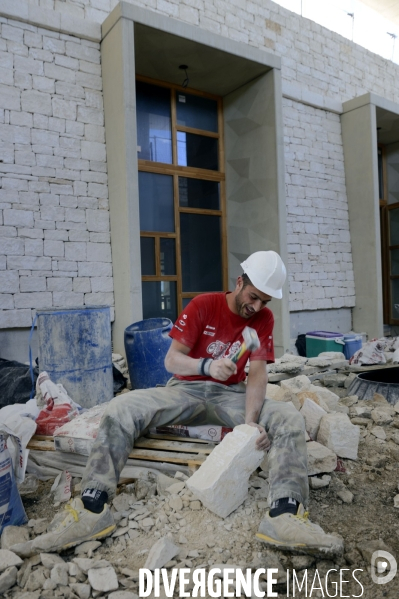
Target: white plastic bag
x,y
11,509
57,407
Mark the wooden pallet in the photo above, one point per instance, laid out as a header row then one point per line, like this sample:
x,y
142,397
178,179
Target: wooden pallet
x,y
156,448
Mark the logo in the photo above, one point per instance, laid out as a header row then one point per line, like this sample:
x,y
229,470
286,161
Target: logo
x,y
183,324
178,328
209,327
209,333
184,316
217,349
383,562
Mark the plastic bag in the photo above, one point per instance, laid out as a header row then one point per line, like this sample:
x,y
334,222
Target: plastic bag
x,y
11,508
206,432
58,407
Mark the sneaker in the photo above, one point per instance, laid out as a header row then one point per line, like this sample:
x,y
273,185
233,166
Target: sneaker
x,y
296,533
76,526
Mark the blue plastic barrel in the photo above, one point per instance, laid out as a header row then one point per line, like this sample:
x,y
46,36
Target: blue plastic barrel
x,y
75,349
352,344
146,345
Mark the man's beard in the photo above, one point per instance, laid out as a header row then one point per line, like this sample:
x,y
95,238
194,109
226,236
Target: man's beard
x,y
240,306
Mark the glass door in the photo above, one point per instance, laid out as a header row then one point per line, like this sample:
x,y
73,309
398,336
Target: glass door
x,y
181,196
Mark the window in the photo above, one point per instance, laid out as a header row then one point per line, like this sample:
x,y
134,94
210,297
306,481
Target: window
x,y
181,196
388,163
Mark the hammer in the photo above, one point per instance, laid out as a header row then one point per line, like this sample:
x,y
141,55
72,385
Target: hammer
x,y
251,343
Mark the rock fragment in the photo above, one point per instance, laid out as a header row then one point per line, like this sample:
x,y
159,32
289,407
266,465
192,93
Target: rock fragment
x,y
320,458
12,535
379,433
338,434
312,414
161,553
318,483
7,579
345,495
8,559
221,483
103,579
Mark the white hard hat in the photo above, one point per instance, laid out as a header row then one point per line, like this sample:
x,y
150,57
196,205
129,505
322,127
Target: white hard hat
x,y
266,271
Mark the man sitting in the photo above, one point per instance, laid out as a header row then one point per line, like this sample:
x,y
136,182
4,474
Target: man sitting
x,y
208,387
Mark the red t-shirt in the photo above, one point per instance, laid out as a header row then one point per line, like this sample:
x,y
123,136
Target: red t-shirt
x,y
211,330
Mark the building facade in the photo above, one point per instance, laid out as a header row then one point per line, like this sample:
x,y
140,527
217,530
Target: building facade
x,y
305,146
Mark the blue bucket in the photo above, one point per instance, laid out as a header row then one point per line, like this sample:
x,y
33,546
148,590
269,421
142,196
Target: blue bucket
x,y
75,350
352,344
146,345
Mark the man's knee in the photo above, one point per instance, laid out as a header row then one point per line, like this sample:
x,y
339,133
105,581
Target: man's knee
x,y
283,414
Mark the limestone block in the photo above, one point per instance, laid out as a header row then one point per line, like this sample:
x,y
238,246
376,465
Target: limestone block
x,y
8,559
360,412
161,553
332,355
338,434
320,458
37,102
381,416
303,395
99,252
287,396
81,590
9,282
296,384
319,362
221,483
379,433
8,578
345,495
12,535
318,483
312,414
103,579
98,220
328,397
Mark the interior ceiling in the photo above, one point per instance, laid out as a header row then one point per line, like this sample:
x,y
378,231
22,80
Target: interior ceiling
x,y
158,55
386,8
388,126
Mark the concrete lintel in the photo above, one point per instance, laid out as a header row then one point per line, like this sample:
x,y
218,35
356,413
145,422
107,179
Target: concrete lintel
x,y
179,28
295,92
371,98
25,12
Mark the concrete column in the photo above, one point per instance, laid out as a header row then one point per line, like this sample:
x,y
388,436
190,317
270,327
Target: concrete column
x,y
255,191
359,135
118,69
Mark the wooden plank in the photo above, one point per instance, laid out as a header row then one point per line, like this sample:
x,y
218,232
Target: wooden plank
x,y
175,445
194,456
165,456
176,438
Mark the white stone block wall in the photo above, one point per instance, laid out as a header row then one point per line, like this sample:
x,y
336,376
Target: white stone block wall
x,y
318,239
54,216
319,67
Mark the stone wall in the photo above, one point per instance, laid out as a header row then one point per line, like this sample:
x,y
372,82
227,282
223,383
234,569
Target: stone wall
x,y
54,234
54,227
319,250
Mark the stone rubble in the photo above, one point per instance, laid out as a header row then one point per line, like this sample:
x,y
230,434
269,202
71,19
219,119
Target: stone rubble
x,y
169,526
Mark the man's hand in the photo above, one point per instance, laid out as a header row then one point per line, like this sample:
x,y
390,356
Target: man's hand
x,y
221,370
263,441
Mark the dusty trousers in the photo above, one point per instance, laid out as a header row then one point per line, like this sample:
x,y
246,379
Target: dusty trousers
x,y
130,415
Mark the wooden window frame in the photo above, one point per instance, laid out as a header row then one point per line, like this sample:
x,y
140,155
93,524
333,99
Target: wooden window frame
x,y
177,171
385,245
